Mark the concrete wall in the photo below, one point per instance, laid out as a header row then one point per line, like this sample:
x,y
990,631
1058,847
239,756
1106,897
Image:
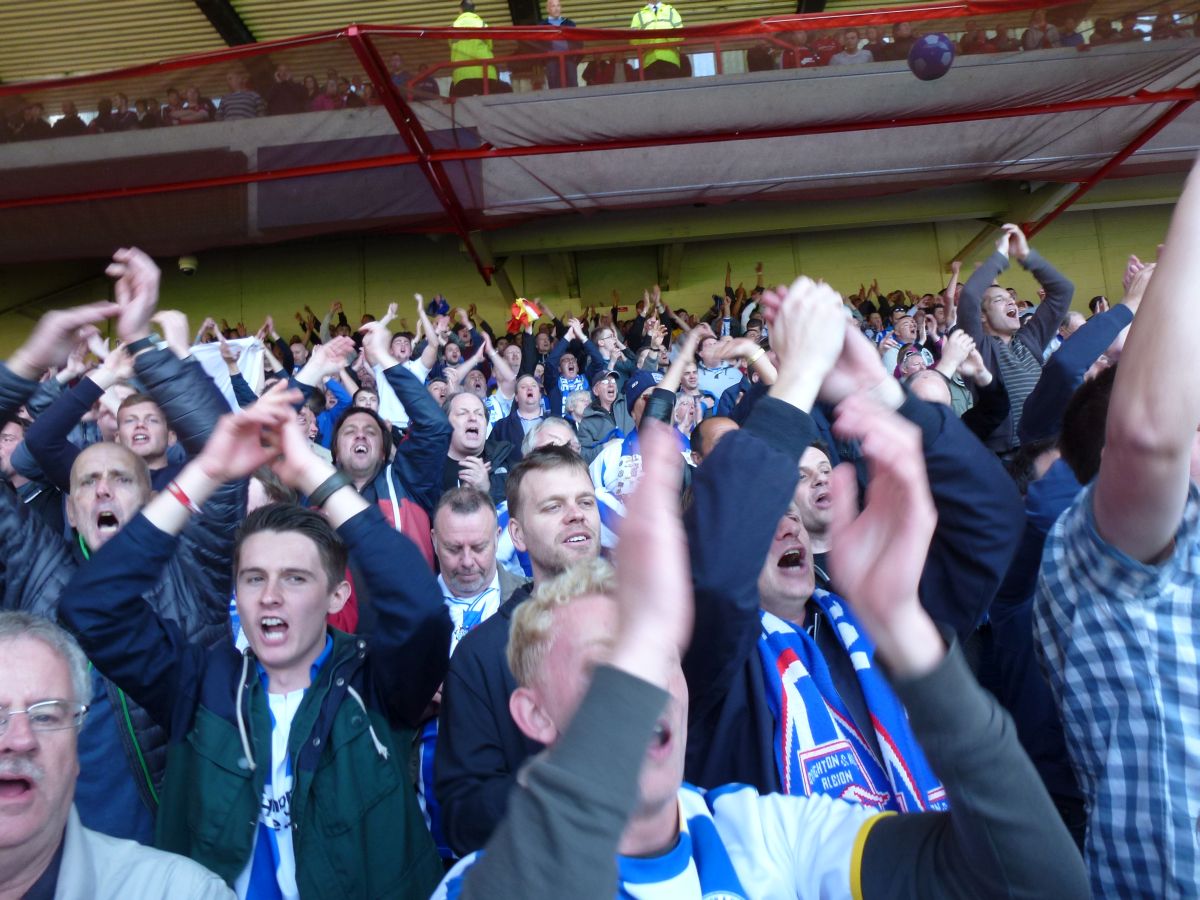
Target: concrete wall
x,y
366,273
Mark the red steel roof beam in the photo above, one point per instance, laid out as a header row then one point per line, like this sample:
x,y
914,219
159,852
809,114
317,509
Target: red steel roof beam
x,y
1143,138
418,142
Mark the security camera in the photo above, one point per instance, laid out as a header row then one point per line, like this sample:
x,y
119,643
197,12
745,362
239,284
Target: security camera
x,y
188,265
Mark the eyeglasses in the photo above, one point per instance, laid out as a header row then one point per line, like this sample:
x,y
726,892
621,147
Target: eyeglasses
x,y
49,715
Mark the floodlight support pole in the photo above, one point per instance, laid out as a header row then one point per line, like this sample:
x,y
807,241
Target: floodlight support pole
x,y
418,142
1144,137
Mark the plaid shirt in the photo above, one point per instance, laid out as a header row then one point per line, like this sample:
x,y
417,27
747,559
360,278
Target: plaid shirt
x,y
1119,642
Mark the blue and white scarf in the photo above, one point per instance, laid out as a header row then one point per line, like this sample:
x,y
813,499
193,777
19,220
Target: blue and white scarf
x,y
566,386
818,748
466,613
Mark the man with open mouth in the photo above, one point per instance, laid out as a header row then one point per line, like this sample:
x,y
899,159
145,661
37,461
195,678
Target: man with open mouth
x,y
122,750
785,694
288,772
1010,348
605,809
44,849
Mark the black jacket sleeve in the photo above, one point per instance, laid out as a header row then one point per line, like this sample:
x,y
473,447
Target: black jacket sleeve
x,y
1063,373
1002,837
35,563
143,654
739,494
283,350
242,392
188,398
980,518
46,438
47,392
573,801
421,457
410,643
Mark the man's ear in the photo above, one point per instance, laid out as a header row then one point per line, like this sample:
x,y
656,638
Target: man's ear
x,y
525,707
341,594
518,536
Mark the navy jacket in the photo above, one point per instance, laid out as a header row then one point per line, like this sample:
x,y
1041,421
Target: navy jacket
x,y
740,492
192,590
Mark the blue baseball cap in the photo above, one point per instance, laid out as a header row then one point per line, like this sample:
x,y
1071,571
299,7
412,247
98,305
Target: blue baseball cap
x,y
638,383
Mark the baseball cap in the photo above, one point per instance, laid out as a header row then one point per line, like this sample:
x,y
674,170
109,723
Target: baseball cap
x,y
638,383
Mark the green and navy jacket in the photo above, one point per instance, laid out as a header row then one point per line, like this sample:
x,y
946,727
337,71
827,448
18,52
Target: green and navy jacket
x,y
356,828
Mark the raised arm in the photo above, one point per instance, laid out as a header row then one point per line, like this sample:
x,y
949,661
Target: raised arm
x,y
1155,405
1002,836
744,488
970,305
420,458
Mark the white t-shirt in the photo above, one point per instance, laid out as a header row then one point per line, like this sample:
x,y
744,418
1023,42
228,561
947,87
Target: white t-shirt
x,y
777,846
275,813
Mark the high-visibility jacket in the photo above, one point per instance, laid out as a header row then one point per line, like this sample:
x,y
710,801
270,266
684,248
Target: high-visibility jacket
x,y
471,48
650,19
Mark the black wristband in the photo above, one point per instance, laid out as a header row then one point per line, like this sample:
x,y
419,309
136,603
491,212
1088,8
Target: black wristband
x,y
326,488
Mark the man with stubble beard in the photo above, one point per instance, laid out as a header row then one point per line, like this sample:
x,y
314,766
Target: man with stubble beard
x,y
554,518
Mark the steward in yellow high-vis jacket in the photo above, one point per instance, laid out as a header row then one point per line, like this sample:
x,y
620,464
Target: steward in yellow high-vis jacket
x,y
663,62
466,81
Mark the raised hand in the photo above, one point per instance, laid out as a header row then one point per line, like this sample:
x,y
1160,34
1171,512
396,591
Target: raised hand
x,y
859,368
377,344
245,440
55,336
135,287
174,327
955,350
808,328
877,556
1012,242
973,368
390,315
654,585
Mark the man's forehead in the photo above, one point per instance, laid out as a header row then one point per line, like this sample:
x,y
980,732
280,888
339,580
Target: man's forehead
x,y
34,669
361,422
471,527
104,456
561,481
146,408
464,401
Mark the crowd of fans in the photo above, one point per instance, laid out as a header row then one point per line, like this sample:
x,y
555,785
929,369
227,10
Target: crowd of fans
x,y
280,93
668,604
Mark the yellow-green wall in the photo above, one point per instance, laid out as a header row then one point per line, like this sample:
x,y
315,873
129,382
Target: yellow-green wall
x,y
366,273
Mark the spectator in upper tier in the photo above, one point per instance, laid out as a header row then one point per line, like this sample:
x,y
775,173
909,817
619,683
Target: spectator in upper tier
x,y
69,124
196,110
799,55
104,121
901,42
569,65
285,96
32,126
850,54
1040,34
125,118
1104,33
329,99
241,102
147,111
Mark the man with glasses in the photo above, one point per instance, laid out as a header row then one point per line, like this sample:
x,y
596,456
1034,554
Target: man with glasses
x,y
44,850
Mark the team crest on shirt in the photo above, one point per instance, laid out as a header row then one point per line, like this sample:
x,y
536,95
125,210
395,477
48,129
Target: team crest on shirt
x,y
835,769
